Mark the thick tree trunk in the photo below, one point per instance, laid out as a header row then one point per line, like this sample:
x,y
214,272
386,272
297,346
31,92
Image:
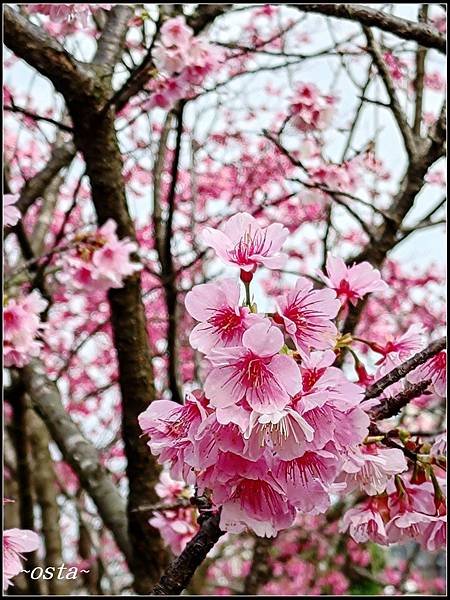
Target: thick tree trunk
x,y
46,495
95,137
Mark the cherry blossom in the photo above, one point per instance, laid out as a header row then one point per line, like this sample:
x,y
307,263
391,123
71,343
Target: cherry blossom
x,y
436,370
11,214
102,261
310,110
177,525
254,371
371,467
252,386
222,321
183,61
243,242
15,543
67,12
364,523
306,315
351,284
171,429
21,326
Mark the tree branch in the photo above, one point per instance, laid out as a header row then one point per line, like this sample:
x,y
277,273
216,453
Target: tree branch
x,y
20,408
425,35
167,266
46,55
393,405
429,151
81,455
179,573
205,15
61,157
397,111
421,55
47,497
27,113
112,39
406,367
95,137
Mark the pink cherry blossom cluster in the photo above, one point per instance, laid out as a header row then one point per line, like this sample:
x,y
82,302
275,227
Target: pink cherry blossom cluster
x,y
310,110
21,325
15,542
277,428
67,13
100,261
397,67
406,512
176,524
183,62
11,214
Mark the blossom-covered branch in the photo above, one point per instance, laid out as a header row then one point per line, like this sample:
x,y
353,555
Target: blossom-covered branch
x,y
402,370
419,32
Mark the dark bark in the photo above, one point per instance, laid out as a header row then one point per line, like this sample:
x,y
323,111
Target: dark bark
x,y
205,15
421,33
168,270
391,406
95,137
35,187
24,478
179,573
80,454
406,367
47,498
46,55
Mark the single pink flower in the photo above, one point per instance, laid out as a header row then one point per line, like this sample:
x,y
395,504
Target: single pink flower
x,y
243,242
249,495
435,535
370,467
403,346
351,284
112,261
365,523
171,428
351,427
439,448
21,325
175,32
222,321
177,527
258,505
322,383
11,214
254,371
330,403
168,488
409,525
305,480
213,439
286,432
306,315
101,260
15,542
435,369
